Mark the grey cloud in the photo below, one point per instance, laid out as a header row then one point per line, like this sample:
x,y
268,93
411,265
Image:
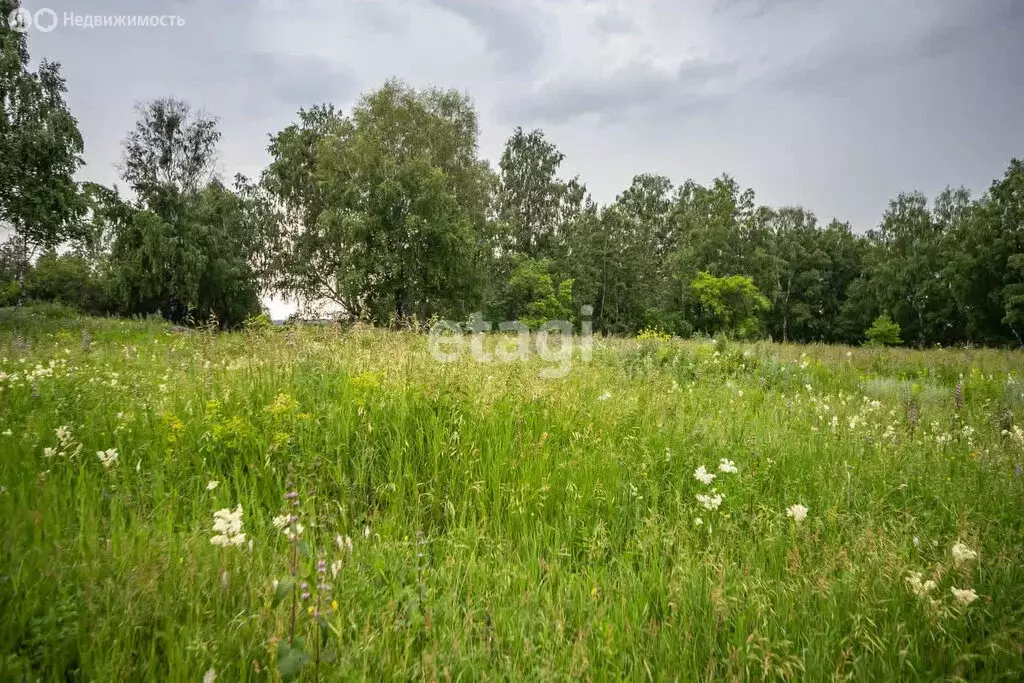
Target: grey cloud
x,y
298,81
638,87
516,38
612,22
380,16
753,9
839,65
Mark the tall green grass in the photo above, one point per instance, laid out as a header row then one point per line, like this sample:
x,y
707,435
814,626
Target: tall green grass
x,y
504,526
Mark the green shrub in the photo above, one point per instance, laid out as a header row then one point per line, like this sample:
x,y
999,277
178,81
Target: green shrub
x,y
884,332
66,279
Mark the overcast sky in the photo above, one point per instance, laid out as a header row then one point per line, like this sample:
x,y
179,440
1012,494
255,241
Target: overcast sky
x,y
836,106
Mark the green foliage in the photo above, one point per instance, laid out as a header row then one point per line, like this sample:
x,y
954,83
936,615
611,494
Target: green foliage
x,y
261,321
532,293
730,305
189,269
40,145
291,658
67,279
386,206
534,206
884,332
189,247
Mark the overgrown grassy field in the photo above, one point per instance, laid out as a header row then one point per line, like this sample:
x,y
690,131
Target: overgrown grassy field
x,y
476,521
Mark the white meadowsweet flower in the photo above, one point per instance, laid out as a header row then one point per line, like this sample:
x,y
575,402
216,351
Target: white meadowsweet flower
x,y
49,452
228,525
919,587
727,466
605,396
698,522
964,596
107,457
8,432
710,501
212,485
962,553
703,476
797,512
210,676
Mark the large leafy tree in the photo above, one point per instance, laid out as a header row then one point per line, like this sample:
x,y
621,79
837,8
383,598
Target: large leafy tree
x,y
535,211
40,146
800,288
908,278
187,246
170,154
533,204
1000,233
383,211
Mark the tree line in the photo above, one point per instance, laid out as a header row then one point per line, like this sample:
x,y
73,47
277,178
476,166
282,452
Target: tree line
x,y
388,214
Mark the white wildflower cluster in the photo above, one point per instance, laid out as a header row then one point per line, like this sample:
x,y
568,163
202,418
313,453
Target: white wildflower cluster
x,y
211,485
1016,434
890,434
344,544
964,596
967,434
919,587
67,447
863,416
941,437
228,525
29,377
289,526
605,396
108,457
710,501
797,512
703,476
962,554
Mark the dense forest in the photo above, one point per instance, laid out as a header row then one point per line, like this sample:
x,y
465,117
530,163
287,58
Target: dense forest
x,y
388,214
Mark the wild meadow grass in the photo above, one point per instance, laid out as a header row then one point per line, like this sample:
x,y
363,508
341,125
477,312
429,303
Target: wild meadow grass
x,y
476,521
